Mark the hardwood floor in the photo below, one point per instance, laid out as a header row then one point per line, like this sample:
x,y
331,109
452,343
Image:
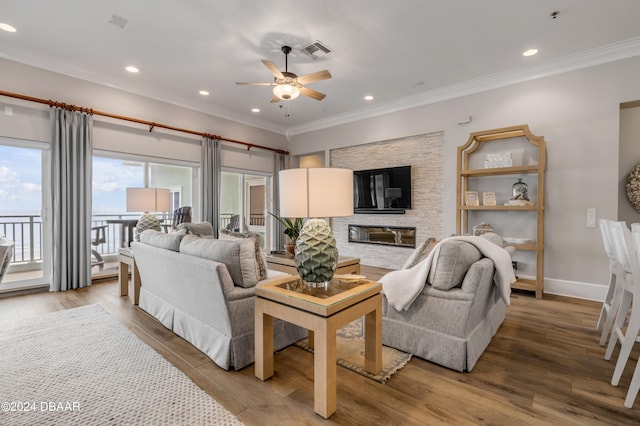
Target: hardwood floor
x,y
544,366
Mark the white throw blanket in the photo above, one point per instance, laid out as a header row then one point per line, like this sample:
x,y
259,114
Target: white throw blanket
x,y
402,287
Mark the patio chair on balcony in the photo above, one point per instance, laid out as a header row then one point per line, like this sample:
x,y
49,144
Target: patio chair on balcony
x,y
181,215
6,254
234,223
98,236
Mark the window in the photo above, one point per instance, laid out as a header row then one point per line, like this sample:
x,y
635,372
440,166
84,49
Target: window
x,y
114,173
243,201
24,196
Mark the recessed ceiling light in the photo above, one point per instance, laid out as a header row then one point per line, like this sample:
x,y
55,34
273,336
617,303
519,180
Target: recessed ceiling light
x,y
204,93
255,109
530,52
7,27
368,98
131,68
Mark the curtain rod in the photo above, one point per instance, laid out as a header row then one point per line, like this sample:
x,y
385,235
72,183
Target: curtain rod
x,y
151,124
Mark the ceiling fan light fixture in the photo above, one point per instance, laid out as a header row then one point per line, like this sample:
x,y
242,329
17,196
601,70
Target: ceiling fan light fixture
x,y
286,92
6,27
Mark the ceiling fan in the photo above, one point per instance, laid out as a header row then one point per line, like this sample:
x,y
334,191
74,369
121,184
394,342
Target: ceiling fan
x,y
287,85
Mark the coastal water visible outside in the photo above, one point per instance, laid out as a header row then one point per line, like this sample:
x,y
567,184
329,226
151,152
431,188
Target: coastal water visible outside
x,y
24,228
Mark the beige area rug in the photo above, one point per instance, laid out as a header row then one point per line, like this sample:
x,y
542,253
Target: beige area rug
x,y
350,353
82,367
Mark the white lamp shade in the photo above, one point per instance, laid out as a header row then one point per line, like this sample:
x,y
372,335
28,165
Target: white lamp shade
x,y
148,200
316,192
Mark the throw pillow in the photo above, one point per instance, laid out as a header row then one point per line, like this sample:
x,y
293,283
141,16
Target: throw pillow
x,y
420,253
453,262
199,229
494,238
160,239
236,255
261,261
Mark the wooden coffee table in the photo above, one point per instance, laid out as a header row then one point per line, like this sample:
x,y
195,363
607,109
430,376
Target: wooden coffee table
x,y
285,263
322,312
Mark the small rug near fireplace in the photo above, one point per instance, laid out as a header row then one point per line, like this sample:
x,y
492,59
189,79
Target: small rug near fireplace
x,y
82,367
350,353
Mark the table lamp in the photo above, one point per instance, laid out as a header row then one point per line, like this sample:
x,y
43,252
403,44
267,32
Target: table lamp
x,y
148,200
314,194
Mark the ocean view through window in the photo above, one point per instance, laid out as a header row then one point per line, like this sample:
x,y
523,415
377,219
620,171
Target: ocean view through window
x,y
21,204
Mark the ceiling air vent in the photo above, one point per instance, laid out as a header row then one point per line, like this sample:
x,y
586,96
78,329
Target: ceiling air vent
x,y
316,49
118,21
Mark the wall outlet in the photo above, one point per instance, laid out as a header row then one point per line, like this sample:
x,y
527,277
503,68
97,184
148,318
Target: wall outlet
x,y
8,111
591,217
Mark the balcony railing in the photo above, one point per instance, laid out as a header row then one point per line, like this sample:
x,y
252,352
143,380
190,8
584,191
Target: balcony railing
x,y
26,232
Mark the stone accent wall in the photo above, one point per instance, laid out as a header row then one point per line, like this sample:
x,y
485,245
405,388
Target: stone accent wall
x,y
425,154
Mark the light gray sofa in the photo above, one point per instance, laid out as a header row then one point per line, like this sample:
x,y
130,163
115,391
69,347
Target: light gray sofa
x,y
457,313
203,290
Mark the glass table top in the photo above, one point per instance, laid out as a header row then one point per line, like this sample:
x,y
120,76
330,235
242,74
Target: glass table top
x,y
338,294
320,290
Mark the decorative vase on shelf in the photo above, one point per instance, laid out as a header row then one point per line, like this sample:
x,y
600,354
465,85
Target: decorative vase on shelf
x,y
520,194
520,190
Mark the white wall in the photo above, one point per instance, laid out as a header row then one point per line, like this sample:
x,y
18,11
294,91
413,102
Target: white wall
x,y
576,112
629,157
31,120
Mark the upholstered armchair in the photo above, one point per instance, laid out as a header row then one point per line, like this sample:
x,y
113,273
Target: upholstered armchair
x,y
459,309
6,254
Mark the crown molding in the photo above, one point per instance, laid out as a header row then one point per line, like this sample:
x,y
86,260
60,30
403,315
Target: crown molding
x,y
610,53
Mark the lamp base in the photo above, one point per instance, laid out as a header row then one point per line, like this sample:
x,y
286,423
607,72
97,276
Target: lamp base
x,y
146,221
316,254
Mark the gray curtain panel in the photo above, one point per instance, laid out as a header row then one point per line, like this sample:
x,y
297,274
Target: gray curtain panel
x,y
71,161
277,243
210,175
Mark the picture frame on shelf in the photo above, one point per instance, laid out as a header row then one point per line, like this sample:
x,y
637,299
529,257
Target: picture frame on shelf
x,y
471,198
488,198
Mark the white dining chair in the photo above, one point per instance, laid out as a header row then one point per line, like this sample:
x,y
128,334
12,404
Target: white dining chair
x,y
627,254
614,269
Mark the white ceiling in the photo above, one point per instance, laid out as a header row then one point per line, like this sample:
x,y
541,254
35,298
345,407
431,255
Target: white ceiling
x,y
403,52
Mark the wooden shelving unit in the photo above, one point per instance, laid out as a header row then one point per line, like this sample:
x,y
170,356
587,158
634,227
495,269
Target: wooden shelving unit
x,y
469,175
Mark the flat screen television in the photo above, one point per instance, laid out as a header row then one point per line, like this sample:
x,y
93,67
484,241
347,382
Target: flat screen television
x,y
385,190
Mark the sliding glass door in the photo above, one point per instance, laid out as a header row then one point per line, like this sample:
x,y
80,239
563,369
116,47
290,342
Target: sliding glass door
x,y
244,197
24,195
113,173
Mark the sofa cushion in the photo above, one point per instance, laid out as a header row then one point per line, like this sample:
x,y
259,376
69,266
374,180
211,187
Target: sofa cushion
x,y
420,253
161,240
238,256
494,238
452,263
199,229
261,261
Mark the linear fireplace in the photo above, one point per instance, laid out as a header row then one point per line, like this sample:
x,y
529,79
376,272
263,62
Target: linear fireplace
x,y
402,236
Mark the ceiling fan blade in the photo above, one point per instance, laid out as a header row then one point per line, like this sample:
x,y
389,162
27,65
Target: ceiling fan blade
x,y
315,76
273,68
312,93
275,99
254,84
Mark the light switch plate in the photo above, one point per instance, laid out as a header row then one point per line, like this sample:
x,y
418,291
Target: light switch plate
x,y
591,217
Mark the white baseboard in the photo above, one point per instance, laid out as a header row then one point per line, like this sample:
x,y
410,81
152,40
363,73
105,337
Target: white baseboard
x,y
577,289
